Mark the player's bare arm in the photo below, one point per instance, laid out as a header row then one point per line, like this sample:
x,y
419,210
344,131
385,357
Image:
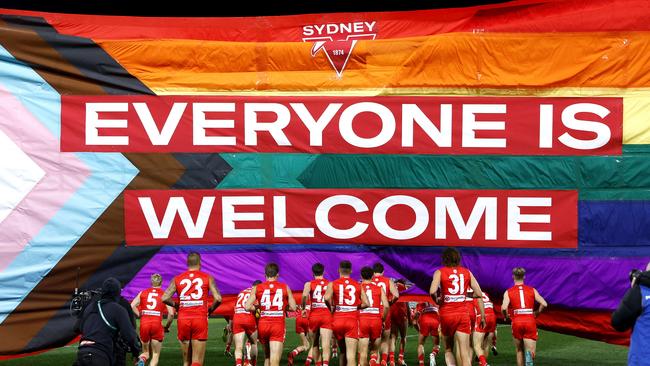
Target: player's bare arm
x,y
385,304
292,301
135,304
170,317
542,303
167,296
435,284
305,296
250,304
478,294
364,301
393,291
328,296
216,295
505,304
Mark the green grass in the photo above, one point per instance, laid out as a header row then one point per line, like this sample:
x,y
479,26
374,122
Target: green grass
x,y
552,349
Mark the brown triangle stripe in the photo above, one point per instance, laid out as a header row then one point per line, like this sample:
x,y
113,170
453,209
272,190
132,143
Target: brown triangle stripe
x,y
22,329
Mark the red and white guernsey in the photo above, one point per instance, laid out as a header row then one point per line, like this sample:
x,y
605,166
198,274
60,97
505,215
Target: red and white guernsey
x,y
487,305
384,283
427,308
273,298
240,305
373,293
522,301
317,289
346,297
192,288
151,307
454,283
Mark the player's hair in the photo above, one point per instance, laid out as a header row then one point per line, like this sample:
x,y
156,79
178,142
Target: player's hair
x,y
378,268
193,259
401,280
518,273
345,267
271,270
256,282
367,273
317,269
450,257
156,279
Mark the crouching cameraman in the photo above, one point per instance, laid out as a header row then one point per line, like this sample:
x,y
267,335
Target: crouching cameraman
x,y
101,323
634,312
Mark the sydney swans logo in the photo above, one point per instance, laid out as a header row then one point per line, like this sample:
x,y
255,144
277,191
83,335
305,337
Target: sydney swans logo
x,y
337,40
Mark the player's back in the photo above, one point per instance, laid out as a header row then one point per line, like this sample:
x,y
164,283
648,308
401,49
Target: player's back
x,y
384,283
427,308
373,293
522,301
346,297
454,283
317,289
240,305
487,304
192,288
273,299
151,305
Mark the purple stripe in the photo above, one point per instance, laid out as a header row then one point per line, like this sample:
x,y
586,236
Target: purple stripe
x,y
586,283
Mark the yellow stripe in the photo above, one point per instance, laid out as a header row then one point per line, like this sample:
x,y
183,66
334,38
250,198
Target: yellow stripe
x,y
636,101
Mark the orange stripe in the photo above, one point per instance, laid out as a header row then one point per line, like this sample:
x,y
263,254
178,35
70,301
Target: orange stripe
x,y
504,60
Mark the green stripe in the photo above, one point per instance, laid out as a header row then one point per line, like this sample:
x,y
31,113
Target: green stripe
x,y
596,177
265,170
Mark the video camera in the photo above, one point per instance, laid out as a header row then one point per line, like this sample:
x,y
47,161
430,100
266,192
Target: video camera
x,y
82,298
634,275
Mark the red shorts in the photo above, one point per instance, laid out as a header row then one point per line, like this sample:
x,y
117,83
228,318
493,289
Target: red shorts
x,y
490,323
370,327
243,324
428,324
345,327
271,330
452,322
524,329
151,330
192,329
322,320
302,325
398,314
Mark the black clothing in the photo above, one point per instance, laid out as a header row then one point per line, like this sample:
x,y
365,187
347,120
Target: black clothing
x,y
91,357
93,328
630,307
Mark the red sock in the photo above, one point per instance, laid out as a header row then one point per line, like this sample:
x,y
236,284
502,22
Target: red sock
x,y
295,352
319,363
308,361
435,350
373,360
482,361
196,364
326,363
228,347
254,362
384,359
391,357
401,353
238,362
421,359
532,354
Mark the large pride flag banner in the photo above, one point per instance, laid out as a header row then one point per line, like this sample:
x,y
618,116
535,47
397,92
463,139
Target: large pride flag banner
x,y
518,132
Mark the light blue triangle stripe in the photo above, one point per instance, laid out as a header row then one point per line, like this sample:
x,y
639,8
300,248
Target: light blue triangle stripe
x,y
110,174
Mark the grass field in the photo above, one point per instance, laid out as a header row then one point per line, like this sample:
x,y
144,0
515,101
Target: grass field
x,y
553,349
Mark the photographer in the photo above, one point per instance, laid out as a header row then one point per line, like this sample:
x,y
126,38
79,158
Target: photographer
x,y
101,323
634,312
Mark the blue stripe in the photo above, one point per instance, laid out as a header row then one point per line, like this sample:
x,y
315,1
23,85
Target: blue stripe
x,y
110,174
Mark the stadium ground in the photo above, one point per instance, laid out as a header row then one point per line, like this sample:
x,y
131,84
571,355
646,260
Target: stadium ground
x,y
554,350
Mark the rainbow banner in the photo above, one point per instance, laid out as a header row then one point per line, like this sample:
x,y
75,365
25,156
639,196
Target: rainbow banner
x,y
518,132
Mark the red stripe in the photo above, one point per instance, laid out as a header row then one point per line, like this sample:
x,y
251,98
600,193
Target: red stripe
x,y
516,16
